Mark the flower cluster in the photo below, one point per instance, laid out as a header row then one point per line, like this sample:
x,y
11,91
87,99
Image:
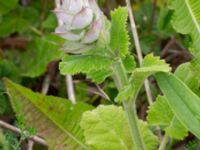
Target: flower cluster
x,y
81,21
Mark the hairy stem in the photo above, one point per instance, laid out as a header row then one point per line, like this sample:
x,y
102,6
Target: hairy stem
x,y
121,79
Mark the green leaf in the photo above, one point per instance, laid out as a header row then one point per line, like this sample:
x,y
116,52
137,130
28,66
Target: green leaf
x,y
56,119
129,63
186,20
106,127
119,35
176,130
164,22
6,6
160,113
50,22
73,64
98,76
183,102
186,73
149,66
11,24
2,141
46,51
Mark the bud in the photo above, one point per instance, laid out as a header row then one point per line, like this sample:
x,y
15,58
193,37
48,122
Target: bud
x,y
82,23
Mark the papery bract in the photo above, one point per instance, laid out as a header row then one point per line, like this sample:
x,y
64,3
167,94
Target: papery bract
x,y
82,22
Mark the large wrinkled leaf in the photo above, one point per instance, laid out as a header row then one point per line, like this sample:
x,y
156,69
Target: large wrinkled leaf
x,y
119,35
107,128
83,63
149,66
56,119
160,113
183,102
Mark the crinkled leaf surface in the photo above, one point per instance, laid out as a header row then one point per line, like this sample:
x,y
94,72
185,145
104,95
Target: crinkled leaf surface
x,y
160,113
106,127
119,35
129,63
176,129
183,102
150,66
73,64
56,119
99,76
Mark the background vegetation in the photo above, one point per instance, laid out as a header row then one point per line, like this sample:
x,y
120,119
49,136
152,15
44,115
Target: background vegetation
x,y
30,54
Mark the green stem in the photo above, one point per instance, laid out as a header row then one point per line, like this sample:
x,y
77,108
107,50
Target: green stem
x,y
131,114
163,143
121,79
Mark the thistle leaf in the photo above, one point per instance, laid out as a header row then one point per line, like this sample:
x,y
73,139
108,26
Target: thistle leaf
x,y
56,119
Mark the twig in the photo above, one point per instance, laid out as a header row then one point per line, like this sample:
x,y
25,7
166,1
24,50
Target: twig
x,y
68,78
30,145
167,46
18,131
138,49
46,84
70,88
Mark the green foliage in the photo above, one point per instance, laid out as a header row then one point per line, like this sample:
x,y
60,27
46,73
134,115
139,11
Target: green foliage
x,y
6,6
73,64
107,128
164,22
186,20
56,119
119,35
160,113
183,102
129,63
2,140
98,76
44,51
186,73
12,24
149,66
